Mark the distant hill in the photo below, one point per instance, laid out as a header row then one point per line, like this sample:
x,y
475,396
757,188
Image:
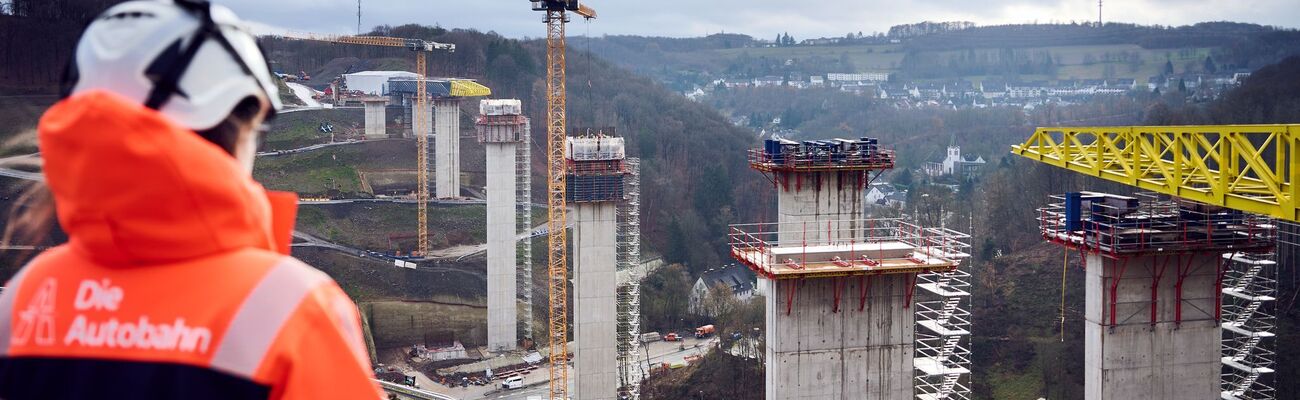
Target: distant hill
x,y
1034,51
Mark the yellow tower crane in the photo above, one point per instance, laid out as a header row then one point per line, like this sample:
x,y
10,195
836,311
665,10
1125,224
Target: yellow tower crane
x,y
1253,168
557,264
418,125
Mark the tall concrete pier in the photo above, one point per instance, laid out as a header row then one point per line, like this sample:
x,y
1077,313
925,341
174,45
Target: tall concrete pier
x,y
839,319
447,147
1155,280
501,128
1145,355
376,108
427,128
595,185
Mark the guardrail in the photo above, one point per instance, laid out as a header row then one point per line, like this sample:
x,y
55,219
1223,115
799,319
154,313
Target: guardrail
x,y
412,392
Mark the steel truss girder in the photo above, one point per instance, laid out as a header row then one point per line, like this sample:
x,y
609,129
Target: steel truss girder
x,y
1243,167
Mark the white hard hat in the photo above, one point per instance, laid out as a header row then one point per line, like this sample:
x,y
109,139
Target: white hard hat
x,y
191,60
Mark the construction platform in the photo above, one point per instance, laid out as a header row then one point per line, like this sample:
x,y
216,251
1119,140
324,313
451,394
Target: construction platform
x,y
1145,224
780,155
859,247
595,168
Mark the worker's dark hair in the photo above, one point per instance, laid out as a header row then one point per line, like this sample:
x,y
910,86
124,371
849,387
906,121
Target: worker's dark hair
x,y
31,219
226,133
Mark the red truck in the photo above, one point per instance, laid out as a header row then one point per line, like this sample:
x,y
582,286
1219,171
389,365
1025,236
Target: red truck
x,y
704,331
672,337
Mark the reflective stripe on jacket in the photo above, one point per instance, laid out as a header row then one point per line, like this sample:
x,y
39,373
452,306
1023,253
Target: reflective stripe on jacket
x,y
175,281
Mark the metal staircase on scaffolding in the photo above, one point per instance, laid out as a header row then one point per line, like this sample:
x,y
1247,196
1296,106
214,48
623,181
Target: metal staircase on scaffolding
x,y
943,361
1248,320
524,227
629,350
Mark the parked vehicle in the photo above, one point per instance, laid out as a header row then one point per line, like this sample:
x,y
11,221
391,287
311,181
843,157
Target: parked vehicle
x,y
672,337
514,382
650,337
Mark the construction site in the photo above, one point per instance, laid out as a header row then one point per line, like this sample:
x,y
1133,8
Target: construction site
x,y
518,258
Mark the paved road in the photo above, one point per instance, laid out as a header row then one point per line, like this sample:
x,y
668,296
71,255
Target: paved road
x,y
277,153
412,392
304,94
660,352
390,200
13,173
33,159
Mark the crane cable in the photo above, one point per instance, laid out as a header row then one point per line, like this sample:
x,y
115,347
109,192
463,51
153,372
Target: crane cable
x,y
1065,264
590,97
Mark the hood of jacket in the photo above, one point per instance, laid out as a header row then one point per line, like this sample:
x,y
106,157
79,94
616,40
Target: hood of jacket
x,y
132,188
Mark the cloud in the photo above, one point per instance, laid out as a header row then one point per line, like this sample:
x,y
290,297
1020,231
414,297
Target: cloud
x,y
760,18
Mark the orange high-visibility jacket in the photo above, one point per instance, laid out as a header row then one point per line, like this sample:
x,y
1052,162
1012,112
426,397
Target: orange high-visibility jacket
x,y
174,283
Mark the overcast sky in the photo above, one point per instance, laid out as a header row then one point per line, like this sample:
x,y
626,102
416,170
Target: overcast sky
x,y
760,18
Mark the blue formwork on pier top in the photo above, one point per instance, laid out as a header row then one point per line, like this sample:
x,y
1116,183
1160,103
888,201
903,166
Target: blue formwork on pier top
x,y
593,188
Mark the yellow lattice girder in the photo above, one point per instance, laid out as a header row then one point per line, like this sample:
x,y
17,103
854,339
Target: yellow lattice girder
x,y
468,88
412,44
1244,167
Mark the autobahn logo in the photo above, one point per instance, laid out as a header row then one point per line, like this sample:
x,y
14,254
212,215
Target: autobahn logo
x,y
102,300
37,320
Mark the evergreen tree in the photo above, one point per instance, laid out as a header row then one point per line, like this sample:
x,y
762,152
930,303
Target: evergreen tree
x,y
1169,67
1209,65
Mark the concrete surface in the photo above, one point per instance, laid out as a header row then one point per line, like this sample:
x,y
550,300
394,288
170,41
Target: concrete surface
x,y
594,312
503,309
376,119
1139,360
427,129
814,353
447,148
805,205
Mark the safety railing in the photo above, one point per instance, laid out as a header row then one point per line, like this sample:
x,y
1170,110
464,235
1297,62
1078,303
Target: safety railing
x,y
1154,225
502,128
759,240
822,160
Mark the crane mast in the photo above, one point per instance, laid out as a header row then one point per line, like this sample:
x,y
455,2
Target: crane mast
x,y
420,125
557,262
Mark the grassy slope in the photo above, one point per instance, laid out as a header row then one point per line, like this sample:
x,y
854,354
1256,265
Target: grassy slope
x,y
368,225
333,168
300,129
865,57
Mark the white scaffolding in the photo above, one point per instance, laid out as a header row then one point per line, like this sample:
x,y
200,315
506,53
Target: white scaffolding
x,y
943,334
1248,320
524,227
630,371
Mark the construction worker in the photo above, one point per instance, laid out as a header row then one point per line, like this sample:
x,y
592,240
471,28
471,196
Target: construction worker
x,y
174,283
